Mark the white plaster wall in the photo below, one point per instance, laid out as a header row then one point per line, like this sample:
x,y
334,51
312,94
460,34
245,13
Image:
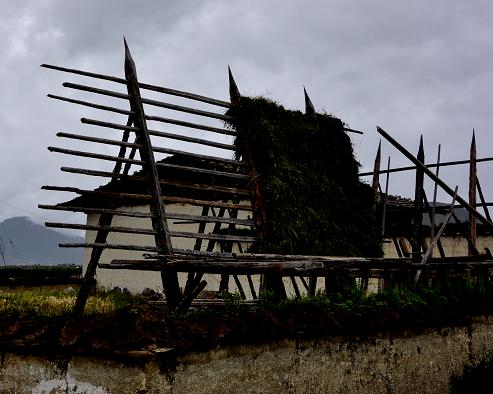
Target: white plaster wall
x,y
452,245
136,281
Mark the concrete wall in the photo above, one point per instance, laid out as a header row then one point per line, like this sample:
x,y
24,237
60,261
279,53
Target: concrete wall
x,y
405,363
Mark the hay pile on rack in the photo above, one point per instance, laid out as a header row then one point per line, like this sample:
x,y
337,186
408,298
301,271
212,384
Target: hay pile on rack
x,y
315,203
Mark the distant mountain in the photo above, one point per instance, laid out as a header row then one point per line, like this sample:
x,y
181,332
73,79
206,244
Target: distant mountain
x,y
25,242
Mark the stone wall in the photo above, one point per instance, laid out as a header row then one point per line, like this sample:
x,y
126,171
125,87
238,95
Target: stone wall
x,y
407,362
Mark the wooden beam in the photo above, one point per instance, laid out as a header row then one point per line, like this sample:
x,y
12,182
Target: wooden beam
x,y
386,195
175,152
159,224
472,191
161,134
156,103
484,204
146,86
435,190
375,183
418,204
434,242
444,164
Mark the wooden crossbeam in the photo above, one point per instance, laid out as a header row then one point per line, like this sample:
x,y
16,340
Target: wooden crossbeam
x,y
146,86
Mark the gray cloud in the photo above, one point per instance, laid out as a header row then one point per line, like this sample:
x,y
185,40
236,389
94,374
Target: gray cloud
x,y
412,68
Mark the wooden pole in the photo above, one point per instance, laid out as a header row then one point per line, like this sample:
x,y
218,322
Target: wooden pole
x,y
435,240
429,211
104,220
376,176
418,205
435,190
429,165
384,210
472,191
483,202
159,224
441,183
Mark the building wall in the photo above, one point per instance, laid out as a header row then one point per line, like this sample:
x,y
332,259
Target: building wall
x,y
452,245
136,281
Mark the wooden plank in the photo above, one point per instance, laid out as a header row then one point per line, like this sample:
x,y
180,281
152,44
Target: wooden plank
x,y
442,184
146,86
162,134
159,224
156,103
288,268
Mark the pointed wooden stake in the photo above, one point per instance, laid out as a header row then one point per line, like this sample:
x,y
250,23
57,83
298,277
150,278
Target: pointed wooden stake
x,y
376,176
234,93
159,224
309,108
472,191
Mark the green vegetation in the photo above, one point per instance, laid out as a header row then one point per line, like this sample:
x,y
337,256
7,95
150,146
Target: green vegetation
x,y
51,303
315,203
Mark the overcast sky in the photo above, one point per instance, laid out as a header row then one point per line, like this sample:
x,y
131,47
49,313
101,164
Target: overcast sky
x,y
415,67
